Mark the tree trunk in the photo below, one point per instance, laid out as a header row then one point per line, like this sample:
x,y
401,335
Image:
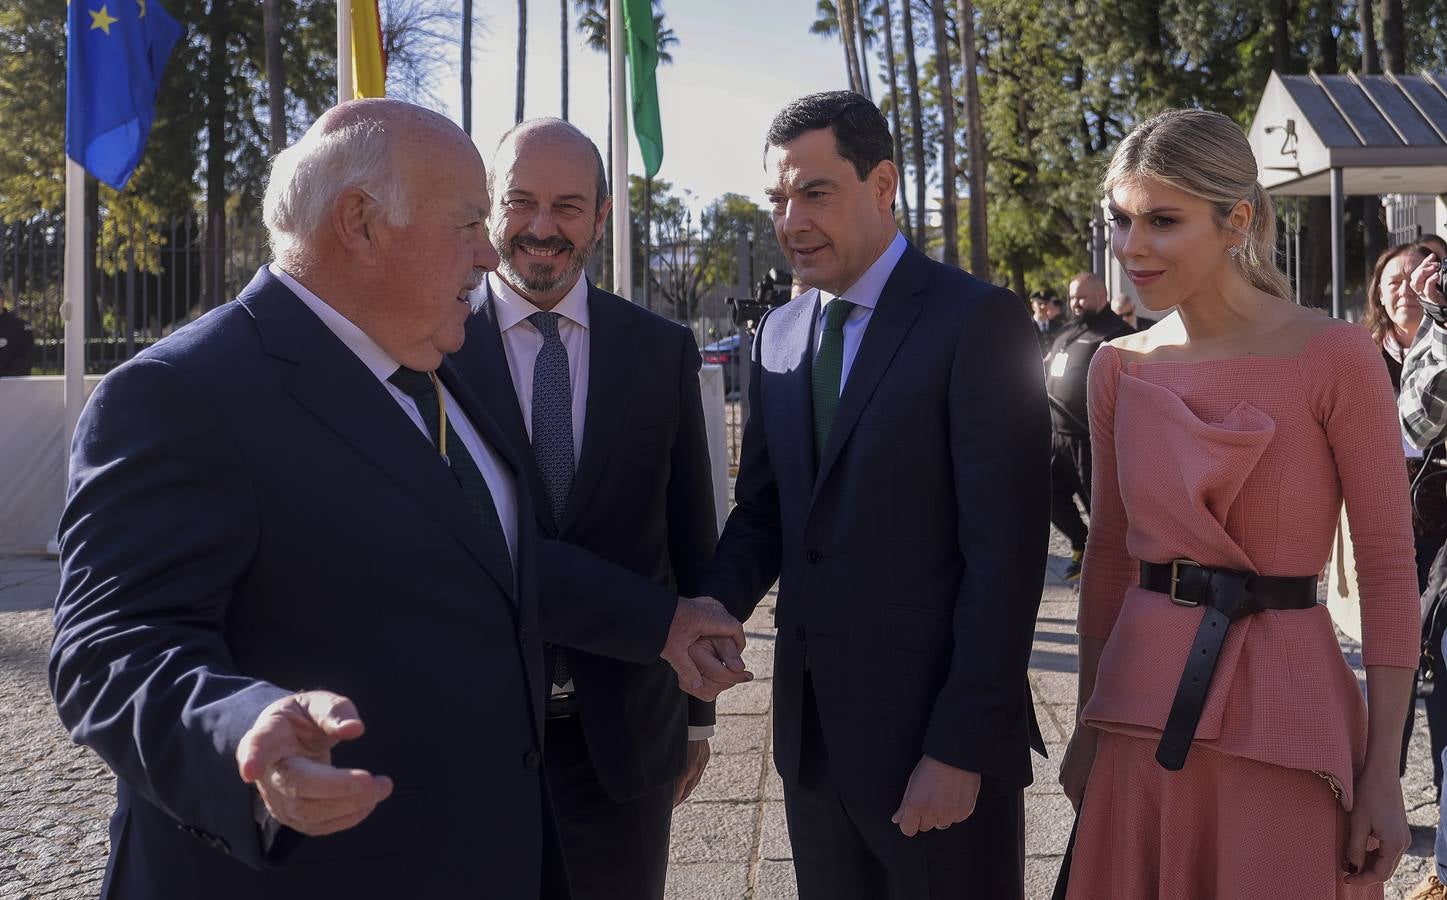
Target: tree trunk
x,y
217,73
1394,38
975,135
563,6
467,67
1318,209
522,57
894,115
916,121
844,12
1327,39
275,74
1369,208
948,209
1370,64
863,55
1280,37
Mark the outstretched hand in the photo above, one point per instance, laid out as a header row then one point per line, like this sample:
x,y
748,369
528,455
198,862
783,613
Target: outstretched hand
x,y
287,755
705,647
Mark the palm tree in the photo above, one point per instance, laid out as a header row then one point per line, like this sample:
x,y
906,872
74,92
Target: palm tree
x,y
839,19
974,134
522,57
947,149
916,121
861,28
275,74
892,69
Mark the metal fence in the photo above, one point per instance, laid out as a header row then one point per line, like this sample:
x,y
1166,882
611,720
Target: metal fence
x,y
145,282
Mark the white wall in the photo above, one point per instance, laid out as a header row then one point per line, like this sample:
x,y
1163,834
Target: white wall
x,y
33,460
711,386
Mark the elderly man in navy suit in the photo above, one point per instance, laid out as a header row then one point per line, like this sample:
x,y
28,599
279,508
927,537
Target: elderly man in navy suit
x,y
303,603
895,479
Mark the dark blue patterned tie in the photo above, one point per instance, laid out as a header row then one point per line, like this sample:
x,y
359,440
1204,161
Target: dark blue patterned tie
x,y
419,386
553,414
553,435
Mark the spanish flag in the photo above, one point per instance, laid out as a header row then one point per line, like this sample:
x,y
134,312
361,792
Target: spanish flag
x,y
369,61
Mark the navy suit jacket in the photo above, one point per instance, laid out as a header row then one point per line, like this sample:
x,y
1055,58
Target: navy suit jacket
x,y
642,499
250,513
911,559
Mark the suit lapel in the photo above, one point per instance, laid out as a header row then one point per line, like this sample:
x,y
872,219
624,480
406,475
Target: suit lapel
x,y
483,363
333,384
612,358
899,305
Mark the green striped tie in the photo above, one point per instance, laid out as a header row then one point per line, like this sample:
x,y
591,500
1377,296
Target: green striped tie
x,y
828,366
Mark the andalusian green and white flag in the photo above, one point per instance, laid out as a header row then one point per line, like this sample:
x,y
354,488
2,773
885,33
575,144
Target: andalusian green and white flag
x,y
643,66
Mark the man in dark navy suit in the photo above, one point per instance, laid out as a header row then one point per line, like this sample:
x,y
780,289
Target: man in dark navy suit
x,y
600,400
894,478
294,517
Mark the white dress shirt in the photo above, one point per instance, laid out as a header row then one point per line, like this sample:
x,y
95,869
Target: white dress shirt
x,y
382,365
864,294
521,343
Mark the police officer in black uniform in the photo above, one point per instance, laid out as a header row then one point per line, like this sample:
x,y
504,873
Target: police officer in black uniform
x,y
1066,366
17,343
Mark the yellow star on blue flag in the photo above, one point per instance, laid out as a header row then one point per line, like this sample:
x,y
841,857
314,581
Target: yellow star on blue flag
x,y
114,60
102,20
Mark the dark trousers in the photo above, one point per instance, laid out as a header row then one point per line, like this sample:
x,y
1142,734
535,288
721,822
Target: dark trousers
x,y
1435,702
1069,477
613,851
845,853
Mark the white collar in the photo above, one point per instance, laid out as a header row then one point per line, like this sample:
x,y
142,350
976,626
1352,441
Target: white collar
x,y
865,292
513,307
367,350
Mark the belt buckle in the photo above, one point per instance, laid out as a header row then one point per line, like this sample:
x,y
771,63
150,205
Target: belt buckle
x,y
1176,580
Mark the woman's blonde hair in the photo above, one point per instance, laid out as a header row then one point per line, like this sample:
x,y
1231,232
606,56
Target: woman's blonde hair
x,y
1206,155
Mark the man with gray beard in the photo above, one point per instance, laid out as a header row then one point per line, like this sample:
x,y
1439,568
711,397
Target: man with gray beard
x,y
602,398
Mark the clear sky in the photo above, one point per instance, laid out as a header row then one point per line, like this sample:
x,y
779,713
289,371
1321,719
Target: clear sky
x,y
737,62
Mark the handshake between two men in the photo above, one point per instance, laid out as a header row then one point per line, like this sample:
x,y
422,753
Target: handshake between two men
x,y
287,753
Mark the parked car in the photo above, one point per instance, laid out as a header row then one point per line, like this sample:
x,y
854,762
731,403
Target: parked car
x,y
725,353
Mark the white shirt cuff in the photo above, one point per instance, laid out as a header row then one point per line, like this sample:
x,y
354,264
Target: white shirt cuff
x,y
700,732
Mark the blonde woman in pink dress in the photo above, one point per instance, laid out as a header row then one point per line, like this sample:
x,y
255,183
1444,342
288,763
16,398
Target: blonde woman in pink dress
x,y
1224,749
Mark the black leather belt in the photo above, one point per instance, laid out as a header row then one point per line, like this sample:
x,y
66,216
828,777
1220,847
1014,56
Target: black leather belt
x,y
561,706
1226,596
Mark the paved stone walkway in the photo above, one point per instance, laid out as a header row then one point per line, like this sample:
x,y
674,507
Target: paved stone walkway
x,y
729,840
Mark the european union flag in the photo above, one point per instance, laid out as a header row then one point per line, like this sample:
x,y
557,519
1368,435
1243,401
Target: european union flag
x,y
114,59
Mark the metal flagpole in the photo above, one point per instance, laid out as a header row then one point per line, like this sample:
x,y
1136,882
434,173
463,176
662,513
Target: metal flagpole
x,y
344,50
622,242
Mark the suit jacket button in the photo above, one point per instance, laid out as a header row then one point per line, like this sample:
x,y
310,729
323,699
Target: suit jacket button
x,y
813,556
532,760
799,633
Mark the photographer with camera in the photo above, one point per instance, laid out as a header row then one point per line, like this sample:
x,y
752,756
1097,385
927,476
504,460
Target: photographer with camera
x,y
1422,405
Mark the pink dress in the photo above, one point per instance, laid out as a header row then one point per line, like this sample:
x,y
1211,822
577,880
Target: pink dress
x,y
1239,463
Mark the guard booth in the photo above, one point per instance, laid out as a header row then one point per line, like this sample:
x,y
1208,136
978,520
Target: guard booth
x,y
1341,135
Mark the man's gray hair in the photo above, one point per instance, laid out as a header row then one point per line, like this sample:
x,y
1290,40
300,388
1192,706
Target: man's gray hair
x,y
308,177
